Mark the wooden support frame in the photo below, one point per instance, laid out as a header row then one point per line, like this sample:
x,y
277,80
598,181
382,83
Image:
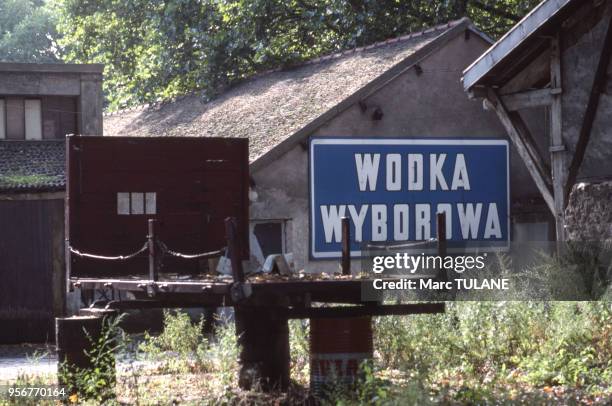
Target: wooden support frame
x,y
523,141
528,99
346,246
599,81
558,152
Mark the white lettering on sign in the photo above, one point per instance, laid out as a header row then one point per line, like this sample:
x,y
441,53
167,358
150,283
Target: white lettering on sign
x,y
435,171
379,222
469,214
394,174
492,226
358,219
469,219
415,172
368,166
460,175
332,225
367,170
400,222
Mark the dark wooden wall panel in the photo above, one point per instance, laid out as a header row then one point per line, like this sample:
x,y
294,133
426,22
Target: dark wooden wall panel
x,y
29,231
15,118
59,115
198,181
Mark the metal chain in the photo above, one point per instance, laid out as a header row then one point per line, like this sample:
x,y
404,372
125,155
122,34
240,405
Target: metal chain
x,y
164,249
176,254
115,258
403,245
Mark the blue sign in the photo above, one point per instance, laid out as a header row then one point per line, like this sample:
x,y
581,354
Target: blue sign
x,y
392,189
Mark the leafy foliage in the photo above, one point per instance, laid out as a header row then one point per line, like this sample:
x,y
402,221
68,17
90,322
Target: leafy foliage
x,y
27,32
157,49
98,383
481,352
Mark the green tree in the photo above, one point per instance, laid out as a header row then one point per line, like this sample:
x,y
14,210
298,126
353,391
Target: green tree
x,y
27,32
156,49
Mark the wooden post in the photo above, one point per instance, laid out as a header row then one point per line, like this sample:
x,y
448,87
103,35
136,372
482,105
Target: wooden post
x,y
557,148
152,251
441,230
234,249
68,262
73,337
263,337
346,246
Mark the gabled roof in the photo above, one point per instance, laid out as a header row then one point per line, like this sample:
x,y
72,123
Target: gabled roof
x,y
533,27
32,166
275,109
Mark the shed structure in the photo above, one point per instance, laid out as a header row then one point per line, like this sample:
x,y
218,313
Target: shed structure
x,y
404,87
557,58
39,105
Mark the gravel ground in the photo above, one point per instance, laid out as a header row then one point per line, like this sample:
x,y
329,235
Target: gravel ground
x,y
28,359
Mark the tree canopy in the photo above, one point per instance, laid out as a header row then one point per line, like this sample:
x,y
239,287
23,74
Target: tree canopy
x,y
27,32
156,49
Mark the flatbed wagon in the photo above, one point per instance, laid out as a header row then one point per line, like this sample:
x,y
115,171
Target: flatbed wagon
x,y
191,194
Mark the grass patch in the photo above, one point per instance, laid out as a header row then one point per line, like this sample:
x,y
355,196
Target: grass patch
x,y
16,180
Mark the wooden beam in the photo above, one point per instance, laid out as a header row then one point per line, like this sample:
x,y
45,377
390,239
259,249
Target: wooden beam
x,y
522,140
599,82
367,310
527,99
34,196
557,148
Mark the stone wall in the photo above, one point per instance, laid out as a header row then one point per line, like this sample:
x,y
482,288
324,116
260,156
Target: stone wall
x,y
589,212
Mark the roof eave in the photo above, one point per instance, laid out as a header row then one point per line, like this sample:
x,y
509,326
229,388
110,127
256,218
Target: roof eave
x,y
519,34
52,67
32,189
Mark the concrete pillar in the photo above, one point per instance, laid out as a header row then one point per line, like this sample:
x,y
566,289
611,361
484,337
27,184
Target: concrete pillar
x,y
91,105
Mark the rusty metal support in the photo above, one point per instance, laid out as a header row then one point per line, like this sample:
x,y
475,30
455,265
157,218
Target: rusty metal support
x,y
441,225
151,239
346,246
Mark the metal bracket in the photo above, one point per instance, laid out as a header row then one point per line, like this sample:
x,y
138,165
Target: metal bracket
x,y
240,291
557,148
556,90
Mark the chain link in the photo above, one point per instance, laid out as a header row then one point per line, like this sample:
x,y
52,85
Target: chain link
x,y
403,245
176,254
164,250
107,258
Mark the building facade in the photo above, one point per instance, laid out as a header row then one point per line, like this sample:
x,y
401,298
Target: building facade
x,y
406,87
39,105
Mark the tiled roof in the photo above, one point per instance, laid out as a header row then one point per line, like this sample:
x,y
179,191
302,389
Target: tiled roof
x,y
270,107
32,166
